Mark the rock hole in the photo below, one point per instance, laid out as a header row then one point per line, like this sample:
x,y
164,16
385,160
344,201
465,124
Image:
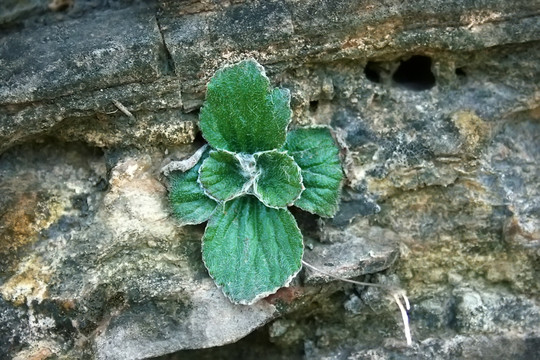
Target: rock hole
x,y
313,105
460,72
415,73
199,140
372,72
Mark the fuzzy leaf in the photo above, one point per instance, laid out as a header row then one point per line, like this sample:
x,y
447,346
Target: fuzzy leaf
x,y
189,203
222,177
279,183
241,113
315,151
251,250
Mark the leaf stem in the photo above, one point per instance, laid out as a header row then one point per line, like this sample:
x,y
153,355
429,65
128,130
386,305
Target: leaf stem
x,y
186,164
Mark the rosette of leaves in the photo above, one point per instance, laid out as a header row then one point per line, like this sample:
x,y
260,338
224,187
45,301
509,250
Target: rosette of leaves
x,y
248,176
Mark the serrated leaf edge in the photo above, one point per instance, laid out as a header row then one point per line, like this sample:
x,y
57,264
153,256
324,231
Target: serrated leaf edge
x,y
263,73
342,181
259,196
264,294
335,206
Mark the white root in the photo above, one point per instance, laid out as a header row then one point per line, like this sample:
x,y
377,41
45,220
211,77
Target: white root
x,y
122,108
404,316
184,165
344,279
394,291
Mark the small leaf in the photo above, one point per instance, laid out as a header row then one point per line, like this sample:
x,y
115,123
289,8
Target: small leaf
x,y
315,151
251,250
222,177
241,113
279,182
189,202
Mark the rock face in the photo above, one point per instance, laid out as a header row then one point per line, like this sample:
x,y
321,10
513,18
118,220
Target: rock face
x,y
437,105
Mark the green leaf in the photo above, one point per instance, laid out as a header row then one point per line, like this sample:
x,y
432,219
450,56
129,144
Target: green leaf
x,y
279,182
251,250
189,203
241,113
222,177
315,151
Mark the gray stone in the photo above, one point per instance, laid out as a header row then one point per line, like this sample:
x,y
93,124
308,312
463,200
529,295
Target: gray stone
x,y
352,253
509,345
13,10
84,67
197,41
75,55
106,261
155,328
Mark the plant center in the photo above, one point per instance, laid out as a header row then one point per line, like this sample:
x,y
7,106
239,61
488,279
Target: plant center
x,y
249,170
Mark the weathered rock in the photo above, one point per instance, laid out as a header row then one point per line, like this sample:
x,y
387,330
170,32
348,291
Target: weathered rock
x,y
111,266
93,57
522,346
353,252
436,107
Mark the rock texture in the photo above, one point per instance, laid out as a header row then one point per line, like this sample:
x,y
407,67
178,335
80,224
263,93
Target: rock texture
x,y
437,108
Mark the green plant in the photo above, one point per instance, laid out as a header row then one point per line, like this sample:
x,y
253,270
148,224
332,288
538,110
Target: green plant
x,y
243,182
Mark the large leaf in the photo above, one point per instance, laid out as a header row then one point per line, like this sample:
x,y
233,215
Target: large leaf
x,y
251,250
315,151
279,182
188,201
222,177
241,113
